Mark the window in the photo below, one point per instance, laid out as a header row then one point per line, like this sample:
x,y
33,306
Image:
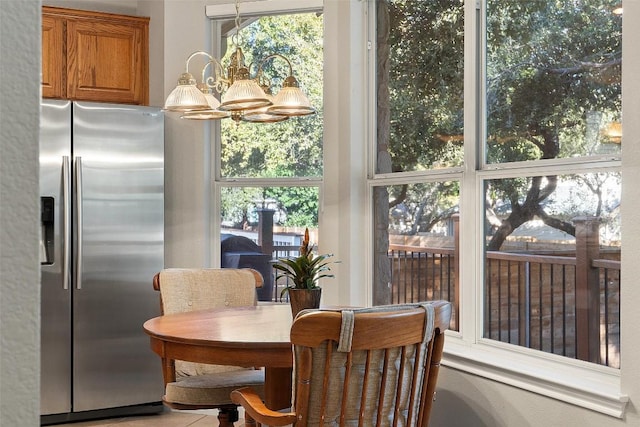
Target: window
x,y
419,75
289,149
543,276
270,174
423,254
553,94
504,160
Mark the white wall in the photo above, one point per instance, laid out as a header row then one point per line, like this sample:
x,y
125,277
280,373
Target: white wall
x,y
343,209
19,213
630,225
187,144
154,9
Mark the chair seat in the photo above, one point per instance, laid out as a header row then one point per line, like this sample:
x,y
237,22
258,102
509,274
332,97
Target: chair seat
x,y
213,389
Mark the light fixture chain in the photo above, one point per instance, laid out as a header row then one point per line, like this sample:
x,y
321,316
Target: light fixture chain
x,y
237,38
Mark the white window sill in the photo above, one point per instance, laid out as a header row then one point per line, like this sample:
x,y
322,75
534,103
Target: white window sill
x,y
576,382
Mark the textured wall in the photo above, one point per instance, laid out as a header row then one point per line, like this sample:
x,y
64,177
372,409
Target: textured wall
x,y
19,209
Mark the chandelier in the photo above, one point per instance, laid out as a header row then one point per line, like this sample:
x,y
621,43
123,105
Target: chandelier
x,y
243,97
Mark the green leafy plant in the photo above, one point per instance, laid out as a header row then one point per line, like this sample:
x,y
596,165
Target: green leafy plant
x,y
305,270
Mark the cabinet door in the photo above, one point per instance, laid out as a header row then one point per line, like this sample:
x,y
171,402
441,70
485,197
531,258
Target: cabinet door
x,y
107,61
53,58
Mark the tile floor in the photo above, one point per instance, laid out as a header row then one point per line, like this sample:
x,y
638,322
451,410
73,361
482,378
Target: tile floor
x,y
167,418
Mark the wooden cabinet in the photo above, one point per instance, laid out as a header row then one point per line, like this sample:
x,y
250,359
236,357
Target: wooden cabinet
x,y
53,58
94,56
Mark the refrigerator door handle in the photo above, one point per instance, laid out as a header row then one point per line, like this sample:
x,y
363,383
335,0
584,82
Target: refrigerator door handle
x,y
66,223
78,216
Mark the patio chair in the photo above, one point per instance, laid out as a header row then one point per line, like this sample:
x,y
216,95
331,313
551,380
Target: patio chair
x,y
197,385
367,367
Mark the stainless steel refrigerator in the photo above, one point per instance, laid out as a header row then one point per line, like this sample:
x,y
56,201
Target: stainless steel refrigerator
x,y
102,185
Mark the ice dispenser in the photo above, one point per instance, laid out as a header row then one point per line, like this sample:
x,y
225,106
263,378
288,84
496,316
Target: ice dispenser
x,y
46,234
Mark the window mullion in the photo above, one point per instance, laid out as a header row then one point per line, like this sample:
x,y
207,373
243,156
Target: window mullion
x,y
470,199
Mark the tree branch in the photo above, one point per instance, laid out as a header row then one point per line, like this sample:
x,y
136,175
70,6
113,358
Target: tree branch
x,y
556,223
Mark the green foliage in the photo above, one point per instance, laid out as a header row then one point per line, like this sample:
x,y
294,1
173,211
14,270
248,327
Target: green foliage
x,y
235,205
304,271
552,68
548,65
292,147
553,80
296,206
425,83
299,203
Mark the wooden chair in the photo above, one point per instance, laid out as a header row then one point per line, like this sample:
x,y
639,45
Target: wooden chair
x,y
196,385
366,367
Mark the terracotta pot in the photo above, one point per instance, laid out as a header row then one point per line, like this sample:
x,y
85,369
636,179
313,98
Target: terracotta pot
x,y
304,298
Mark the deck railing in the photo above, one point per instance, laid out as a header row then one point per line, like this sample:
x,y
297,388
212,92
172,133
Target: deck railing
x,y
282,251
565,304
421,274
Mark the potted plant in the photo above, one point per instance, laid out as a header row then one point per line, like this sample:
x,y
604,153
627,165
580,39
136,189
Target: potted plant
x,y
303,273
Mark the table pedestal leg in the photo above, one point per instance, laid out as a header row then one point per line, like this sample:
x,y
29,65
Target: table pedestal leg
x,y
277,388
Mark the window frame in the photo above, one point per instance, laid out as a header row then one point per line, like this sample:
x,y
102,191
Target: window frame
x,y
584,384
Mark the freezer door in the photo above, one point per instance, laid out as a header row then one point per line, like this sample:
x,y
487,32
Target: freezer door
x,y
119,230
55,337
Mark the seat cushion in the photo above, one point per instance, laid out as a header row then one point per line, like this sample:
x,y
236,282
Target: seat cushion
x,y
213,389
190,369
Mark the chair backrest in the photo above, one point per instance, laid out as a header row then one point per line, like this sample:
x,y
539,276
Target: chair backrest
x,y
368,367
190,289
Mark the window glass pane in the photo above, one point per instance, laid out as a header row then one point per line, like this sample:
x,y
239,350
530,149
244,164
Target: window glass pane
x,y
293,206
552,264
416,251
553,79
292,148
261,224
419,72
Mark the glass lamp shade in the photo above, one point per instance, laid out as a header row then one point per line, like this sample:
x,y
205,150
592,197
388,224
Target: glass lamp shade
x,y
186,96
212,113
263,117
243,95
260,115
291,101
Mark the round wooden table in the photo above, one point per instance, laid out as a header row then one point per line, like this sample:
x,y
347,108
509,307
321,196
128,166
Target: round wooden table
x,y
245,336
